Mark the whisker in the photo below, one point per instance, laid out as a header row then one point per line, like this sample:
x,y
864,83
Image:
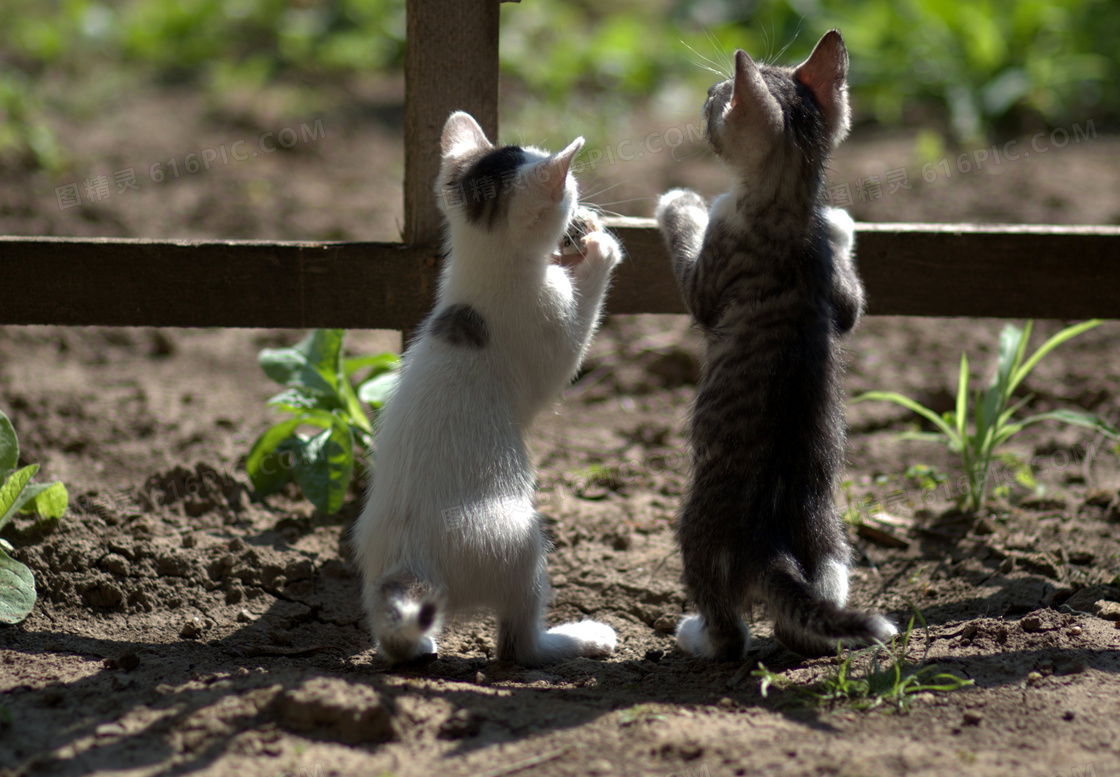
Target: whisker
x,y
715,65
601,191
718,47
796,32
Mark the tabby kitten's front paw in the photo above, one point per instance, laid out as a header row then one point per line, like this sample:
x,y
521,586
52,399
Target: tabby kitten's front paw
x,y
676,204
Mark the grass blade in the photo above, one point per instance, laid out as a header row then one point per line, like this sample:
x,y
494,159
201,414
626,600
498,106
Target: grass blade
x,y
910,404
1066,334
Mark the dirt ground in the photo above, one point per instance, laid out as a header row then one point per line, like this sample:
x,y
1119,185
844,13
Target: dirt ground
x,y
185,626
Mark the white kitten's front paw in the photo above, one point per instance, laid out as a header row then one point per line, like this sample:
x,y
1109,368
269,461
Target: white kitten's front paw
x,y
594,639
601,249
675,202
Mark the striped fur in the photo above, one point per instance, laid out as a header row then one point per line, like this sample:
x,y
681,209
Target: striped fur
x,y
767,273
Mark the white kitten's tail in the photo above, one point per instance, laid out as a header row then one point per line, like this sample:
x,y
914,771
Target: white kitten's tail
x,y
406,614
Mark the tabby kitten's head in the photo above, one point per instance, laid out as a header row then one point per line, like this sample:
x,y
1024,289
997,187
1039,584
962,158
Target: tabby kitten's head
x,y
767,118
507,197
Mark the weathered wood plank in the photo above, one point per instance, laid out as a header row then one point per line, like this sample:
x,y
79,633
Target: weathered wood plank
x,y
451,63
110,282
908,269
1001,271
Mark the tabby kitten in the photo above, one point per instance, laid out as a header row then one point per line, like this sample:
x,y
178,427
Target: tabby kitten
x,y
767,274
449,524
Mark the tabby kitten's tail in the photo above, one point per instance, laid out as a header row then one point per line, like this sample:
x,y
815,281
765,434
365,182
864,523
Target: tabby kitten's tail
x,y
810,617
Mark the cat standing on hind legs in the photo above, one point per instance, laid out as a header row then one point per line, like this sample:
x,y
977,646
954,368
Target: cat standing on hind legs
x,y
449,524
767,274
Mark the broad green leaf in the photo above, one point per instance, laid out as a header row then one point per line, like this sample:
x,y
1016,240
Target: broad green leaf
x,y
382,362
11,491
17,590
1066,334
264,465
9,446
291,368
324,468
379,389
297,401
312,365
47,500
905,401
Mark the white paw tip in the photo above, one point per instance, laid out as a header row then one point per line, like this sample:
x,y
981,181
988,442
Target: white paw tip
x,y
597,640
692,637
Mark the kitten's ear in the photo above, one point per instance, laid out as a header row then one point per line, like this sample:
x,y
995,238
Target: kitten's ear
x,y
825,73
750,95
462,135
551,174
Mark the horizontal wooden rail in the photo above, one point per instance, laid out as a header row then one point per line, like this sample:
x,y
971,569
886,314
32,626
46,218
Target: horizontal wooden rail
x,y
908,269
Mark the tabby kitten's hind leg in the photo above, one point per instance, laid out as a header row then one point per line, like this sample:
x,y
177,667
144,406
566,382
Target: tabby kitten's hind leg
x,y
720,635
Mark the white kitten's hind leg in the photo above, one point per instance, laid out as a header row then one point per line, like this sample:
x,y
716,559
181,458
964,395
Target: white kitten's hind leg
x,y
589,639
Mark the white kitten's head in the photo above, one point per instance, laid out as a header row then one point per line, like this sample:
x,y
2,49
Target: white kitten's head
x,y
514,196
765,112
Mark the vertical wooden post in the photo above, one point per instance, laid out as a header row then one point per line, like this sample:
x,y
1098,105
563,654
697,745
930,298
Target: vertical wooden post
x,y
451,63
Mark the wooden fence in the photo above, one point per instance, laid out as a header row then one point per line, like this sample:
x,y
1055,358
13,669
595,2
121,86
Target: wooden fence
x,y
452,64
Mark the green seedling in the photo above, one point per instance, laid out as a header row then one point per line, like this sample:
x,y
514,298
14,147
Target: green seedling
x,y
19,495
889,684
993,411
315,446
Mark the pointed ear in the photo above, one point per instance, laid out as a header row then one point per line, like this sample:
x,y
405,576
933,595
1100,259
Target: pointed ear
x,y
551,174
825,74
461,134
750,93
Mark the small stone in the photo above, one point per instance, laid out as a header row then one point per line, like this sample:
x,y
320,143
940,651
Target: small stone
x,y
970,629
1041,564
334,708
1034,678
623,541
107,730
1031,624
480,678
1007,565
665,624
1110,611
116,564
1100,497
460,725
244,616
972,718
1075,631
726,702
193,628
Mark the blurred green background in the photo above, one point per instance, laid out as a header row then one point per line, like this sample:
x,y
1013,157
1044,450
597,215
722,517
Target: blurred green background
x,y
967,71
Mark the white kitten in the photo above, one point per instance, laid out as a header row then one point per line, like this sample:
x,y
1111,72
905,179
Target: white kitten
x,y
449,523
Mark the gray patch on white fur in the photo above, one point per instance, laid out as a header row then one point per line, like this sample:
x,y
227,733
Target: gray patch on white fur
x,y
460,324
